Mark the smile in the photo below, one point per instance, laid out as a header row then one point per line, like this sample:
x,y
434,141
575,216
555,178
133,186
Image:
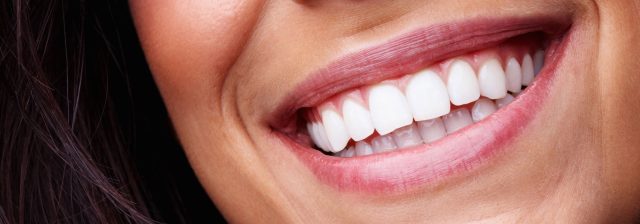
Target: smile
x,y
429,104
416,109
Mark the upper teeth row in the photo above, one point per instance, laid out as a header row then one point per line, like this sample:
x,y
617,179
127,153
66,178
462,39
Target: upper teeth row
x,y
390,105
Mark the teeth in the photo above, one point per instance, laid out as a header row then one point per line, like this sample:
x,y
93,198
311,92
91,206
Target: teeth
x,y
383,143
427,96
335,128
482,109
538,61
389,108
514,75
527,70
350,152
357,119
505,101
363,148
432,130
492,80
457,120
462,83
407,136
318,135
311,129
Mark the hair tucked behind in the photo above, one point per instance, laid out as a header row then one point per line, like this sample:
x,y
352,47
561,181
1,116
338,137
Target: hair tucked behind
x,y
84,136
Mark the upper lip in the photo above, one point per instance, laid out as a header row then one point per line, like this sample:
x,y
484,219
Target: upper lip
x,y
460,151
405,54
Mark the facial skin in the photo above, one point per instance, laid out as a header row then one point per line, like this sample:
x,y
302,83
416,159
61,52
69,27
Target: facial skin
x,y
223,66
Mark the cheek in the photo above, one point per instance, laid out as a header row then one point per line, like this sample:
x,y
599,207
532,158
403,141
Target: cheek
x,y
189,45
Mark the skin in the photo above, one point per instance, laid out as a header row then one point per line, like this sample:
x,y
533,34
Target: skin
x,y
222,66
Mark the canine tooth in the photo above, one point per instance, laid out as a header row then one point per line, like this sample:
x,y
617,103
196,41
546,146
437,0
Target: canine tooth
x,y
504,101
389,108
538,61
514,76
431,130
318,135
407,136
482,109
383,143
427,96
335,129
457,120
313,133
363,148
492,79
462,83
527,70
357,119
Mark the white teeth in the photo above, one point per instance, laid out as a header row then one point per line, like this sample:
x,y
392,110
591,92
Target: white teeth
x,y
431,130
318,135
363,148
335,128
427,96
462,83
457,120
383,143
527,70
538,61
492,80
505,101
407,136
357,119
312,132
389,108
482,109
350,152
514,75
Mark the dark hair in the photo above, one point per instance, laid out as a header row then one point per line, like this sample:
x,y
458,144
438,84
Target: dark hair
x,y
84,136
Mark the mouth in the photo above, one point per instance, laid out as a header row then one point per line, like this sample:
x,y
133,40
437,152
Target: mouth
x,y
423,107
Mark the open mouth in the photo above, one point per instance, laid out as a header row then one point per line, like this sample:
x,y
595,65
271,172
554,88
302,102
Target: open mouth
x,y
428,105
432,103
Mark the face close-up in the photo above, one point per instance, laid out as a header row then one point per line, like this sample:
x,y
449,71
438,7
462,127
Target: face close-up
x,y
405,111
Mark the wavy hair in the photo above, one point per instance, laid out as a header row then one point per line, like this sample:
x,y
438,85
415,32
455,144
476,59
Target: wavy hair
x,y
84,135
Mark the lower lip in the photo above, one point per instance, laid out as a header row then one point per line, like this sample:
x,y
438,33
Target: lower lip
x,y
462,152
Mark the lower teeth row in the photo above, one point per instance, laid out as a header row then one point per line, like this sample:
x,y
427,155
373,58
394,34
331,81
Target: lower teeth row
x,y
424,132
422,107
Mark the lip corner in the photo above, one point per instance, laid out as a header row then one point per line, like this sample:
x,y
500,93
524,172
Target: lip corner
x,y
391,58
427,164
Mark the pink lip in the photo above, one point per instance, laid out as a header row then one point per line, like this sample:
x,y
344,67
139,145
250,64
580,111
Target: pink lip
x,y
469,148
